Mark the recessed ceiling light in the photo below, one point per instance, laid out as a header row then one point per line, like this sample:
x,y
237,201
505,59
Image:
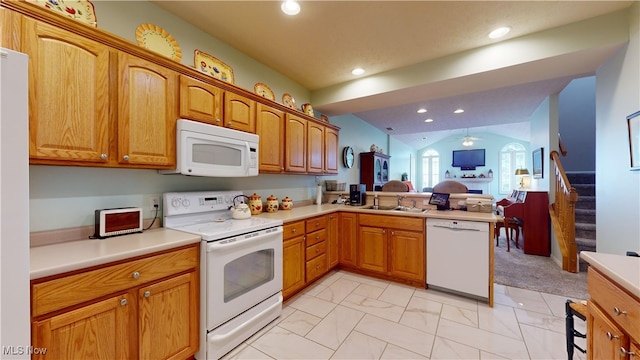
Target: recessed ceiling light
x,y
290,7
428,120
422,111
424,138
390,128
357,71
458,111
499,32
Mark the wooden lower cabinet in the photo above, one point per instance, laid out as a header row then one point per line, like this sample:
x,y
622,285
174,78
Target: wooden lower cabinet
x,y
333,233
613,320
151,298
293,258
348,235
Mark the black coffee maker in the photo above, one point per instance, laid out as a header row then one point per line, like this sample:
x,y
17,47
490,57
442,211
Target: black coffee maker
x,y
357,194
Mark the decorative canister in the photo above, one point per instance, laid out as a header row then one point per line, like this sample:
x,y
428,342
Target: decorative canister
x,y
255,204
272,204
287,203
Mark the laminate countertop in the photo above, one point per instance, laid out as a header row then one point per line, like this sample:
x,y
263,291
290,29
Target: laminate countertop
x,y
68,256
624,270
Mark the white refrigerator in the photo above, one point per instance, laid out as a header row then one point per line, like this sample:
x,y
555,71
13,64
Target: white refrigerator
x,y
14,206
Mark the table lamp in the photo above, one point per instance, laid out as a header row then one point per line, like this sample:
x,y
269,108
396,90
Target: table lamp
x,y
522,173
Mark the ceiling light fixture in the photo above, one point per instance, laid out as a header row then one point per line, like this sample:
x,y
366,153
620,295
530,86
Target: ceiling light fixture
x,y
428,120
467,142
357,71
458,111
290,7
499,32
422,111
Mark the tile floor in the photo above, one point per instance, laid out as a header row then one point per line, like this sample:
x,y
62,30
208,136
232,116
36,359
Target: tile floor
x,y
349,316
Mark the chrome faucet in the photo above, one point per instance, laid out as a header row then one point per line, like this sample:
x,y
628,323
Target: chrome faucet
x,y
400,200
413,202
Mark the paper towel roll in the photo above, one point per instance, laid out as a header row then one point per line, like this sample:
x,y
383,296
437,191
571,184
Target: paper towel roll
x,y
319,194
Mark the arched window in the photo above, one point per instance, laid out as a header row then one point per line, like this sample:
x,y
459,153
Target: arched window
x,y
512,157
430,168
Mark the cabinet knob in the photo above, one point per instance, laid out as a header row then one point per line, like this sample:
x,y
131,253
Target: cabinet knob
x,y
294,230
147,293
103,156
619,312
135,275
229,123
123,302
624,352
317,250
125,158
317,237
218,121
610,336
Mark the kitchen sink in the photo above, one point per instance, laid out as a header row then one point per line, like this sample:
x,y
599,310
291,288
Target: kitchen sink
x,y
397,208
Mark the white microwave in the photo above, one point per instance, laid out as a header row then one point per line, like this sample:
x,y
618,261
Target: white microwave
x,y
214,151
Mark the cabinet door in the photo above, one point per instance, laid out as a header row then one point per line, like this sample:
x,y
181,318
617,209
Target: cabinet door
x,y
270,128
330,151
68,95
293,266
147,105
332,240
604,338
407,254
200,101
372,249
296,144
315,148
96,331
348,236
239,112
168,310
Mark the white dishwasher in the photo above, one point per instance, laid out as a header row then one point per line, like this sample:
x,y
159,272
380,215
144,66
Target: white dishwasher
x,y
458,256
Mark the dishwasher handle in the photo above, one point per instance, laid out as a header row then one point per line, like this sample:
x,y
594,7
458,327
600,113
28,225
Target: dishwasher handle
x,y
455,228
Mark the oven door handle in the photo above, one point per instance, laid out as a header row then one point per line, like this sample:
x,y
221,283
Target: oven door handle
x,y
227,245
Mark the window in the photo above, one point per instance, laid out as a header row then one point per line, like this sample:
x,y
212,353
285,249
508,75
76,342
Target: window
x,y
430,168
512,157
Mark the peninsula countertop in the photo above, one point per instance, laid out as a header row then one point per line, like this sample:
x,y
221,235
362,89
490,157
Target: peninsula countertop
x,y
624,270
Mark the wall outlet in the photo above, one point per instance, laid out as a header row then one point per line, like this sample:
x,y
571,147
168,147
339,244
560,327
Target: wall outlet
x,y
154,200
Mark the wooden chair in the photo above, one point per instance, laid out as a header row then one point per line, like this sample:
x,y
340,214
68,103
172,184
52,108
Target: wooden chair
x,y
509,225
578,310
450,187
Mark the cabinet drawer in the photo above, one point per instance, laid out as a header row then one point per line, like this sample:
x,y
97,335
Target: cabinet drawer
x,y
293,229
614,301
316,237
394,222
316,250
316,267
316,223
74,289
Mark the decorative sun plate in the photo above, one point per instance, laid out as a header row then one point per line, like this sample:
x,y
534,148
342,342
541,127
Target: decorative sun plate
x,y
155,38
212,66
81,10
288,101
264,91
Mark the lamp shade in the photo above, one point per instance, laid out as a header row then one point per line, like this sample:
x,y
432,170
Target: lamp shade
x,y
522,172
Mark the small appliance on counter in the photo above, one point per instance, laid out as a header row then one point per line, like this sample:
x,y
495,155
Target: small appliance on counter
x,y
357,194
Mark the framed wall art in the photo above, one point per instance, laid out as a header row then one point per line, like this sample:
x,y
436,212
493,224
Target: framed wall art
x,y
633,125
538,163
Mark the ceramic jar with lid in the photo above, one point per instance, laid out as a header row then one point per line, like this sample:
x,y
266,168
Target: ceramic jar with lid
x,y
255,204
272,204
287,203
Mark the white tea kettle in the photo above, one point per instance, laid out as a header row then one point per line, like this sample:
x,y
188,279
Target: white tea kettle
x,y
240,211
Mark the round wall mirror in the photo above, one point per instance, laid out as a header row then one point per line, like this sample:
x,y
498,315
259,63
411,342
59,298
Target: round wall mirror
x,y
347,156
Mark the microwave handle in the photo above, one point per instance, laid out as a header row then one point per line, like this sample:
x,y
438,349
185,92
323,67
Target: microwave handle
x,y
247,157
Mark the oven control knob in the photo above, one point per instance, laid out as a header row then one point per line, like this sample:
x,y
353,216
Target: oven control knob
x,y
186,203
175,202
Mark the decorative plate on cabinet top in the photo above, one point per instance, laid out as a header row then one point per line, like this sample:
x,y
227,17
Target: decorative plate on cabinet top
x,y
212,66
264,91
81,10
155,38
288,101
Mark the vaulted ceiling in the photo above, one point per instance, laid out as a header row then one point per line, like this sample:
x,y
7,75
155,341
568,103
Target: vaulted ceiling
x,y
410,50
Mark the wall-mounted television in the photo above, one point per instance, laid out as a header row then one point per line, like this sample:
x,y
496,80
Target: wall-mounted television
x,y
468,159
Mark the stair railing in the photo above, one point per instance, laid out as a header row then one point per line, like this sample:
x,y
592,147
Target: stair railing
x,y
563,216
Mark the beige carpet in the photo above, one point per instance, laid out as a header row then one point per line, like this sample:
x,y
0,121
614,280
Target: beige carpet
x,y
537,273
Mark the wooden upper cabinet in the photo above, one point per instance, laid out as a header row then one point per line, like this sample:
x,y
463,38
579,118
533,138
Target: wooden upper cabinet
x,y
270,128
239,112
148,109
296,144
200,101
315,148
68,95
330,151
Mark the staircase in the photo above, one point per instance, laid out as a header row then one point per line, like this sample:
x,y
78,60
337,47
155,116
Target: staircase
x,y
585,185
